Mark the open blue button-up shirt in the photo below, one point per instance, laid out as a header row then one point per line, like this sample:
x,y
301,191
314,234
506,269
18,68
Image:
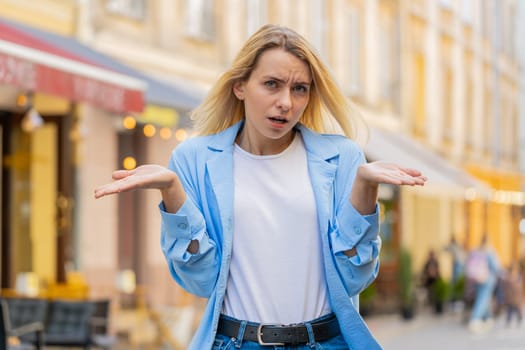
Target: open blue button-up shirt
x,y
205,168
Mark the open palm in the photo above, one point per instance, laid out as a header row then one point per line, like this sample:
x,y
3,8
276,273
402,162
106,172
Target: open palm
x,y
381,172
142,177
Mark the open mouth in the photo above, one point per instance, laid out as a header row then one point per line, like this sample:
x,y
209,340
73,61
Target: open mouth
x,y
278,120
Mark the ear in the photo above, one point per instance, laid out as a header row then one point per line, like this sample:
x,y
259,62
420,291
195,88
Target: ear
x,y
238,89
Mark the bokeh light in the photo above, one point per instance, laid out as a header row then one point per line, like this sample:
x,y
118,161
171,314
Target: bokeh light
x,y
149,130
129,122
165,133
129,163
181,135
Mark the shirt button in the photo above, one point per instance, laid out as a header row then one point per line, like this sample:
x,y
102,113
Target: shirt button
x,y
183,226
357,230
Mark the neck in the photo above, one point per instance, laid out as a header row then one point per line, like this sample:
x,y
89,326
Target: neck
x,y
264,146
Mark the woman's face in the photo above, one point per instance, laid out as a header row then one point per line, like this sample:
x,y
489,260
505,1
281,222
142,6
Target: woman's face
x,y
275,97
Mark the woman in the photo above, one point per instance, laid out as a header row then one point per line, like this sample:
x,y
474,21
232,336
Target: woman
x,y
271,219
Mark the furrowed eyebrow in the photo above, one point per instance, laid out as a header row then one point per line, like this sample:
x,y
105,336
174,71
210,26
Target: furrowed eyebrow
x,y
282,81
274,78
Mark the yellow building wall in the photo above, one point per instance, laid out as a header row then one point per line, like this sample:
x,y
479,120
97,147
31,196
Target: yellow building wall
x,y
500,217
476,210
43,228
428,222
53,15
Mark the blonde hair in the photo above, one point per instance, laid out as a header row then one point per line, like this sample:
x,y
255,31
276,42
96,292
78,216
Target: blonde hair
x,y
328,109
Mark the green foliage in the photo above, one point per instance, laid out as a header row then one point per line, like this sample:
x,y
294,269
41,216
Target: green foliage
x,y
366,300
367,295
441,290
458,289
406,282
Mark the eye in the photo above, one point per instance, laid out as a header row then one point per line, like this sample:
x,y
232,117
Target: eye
x,y
302,89
270,83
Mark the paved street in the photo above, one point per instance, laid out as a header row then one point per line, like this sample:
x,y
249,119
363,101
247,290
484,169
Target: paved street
x,y
446,332
426,331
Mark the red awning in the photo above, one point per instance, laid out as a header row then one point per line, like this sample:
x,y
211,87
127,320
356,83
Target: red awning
x,y
34,65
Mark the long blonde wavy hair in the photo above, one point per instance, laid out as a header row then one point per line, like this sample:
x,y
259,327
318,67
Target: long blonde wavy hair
x,y
328,109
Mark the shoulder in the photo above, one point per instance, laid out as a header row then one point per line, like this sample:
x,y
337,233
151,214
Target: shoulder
x,y
342,142
191,146
193,143
337,143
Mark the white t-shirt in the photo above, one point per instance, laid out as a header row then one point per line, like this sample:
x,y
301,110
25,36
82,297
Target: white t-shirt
x,y
276,272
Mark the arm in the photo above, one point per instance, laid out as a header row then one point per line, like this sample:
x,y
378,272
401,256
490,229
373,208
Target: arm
x,y
190,253
355,232
366,184
150,176
188,241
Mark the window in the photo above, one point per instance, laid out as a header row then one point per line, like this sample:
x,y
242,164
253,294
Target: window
x,y
135,9
446,3
418,101
509,30
486,20
353,28
488,125
467,11
469,110
318,24
200,21
256,15
448,104
388,71
515,130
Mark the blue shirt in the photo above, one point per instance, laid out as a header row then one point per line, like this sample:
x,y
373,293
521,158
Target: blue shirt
x,y
204,165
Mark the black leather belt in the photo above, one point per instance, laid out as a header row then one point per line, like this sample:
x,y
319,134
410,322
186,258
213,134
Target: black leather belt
x,y
280,335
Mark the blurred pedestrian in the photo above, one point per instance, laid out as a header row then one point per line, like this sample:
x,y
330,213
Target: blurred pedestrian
x,y
458,261
265,213
513,293
482,270
431,275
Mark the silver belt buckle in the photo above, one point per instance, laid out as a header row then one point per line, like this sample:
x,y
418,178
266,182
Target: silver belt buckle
x,y
259,337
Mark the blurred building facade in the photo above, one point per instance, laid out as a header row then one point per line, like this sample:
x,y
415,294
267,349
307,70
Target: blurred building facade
x,y
521,53
437,81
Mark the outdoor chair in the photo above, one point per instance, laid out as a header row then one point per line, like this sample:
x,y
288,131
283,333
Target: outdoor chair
x,y
100,336
23,311
69,324
7,329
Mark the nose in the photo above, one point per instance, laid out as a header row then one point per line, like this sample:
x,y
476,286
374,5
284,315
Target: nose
x,y
284,102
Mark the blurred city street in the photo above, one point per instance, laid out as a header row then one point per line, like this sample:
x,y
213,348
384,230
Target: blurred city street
x,y
89,87
431,332
425,331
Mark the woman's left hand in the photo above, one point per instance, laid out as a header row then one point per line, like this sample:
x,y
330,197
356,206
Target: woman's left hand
x,y
380,172
371,175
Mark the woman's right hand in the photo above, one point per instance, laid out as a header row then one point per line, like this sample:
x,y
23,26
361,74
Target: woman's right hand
x,y
147,176
142,177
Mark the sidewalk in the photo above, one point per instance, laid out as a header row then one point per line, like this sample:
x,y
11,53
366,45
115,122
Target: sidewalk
x,y
444,332
426,331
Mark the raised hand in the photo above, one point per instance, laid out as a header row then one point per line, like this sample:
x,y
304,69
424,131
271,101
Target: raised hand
x,y
142,177
371,175
389,173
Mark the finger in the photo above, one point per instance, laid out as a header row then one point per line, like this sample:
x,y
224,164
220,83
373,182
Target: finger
x,y
120,174
405,179
100,192
418,180
106,190
412,171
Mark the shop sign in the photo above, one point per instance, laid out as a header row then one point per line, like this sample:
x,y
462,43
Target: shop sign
x,y
32,76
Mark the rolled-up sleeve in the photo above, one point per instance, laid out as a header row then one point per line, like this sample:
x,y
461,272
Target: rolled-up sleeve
x,y
194,272
353,230
179,229
356,230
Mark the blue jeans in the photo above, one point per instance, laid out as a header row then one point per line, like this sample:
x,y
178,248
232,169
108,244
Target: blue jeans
x,y
223,342
481,310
